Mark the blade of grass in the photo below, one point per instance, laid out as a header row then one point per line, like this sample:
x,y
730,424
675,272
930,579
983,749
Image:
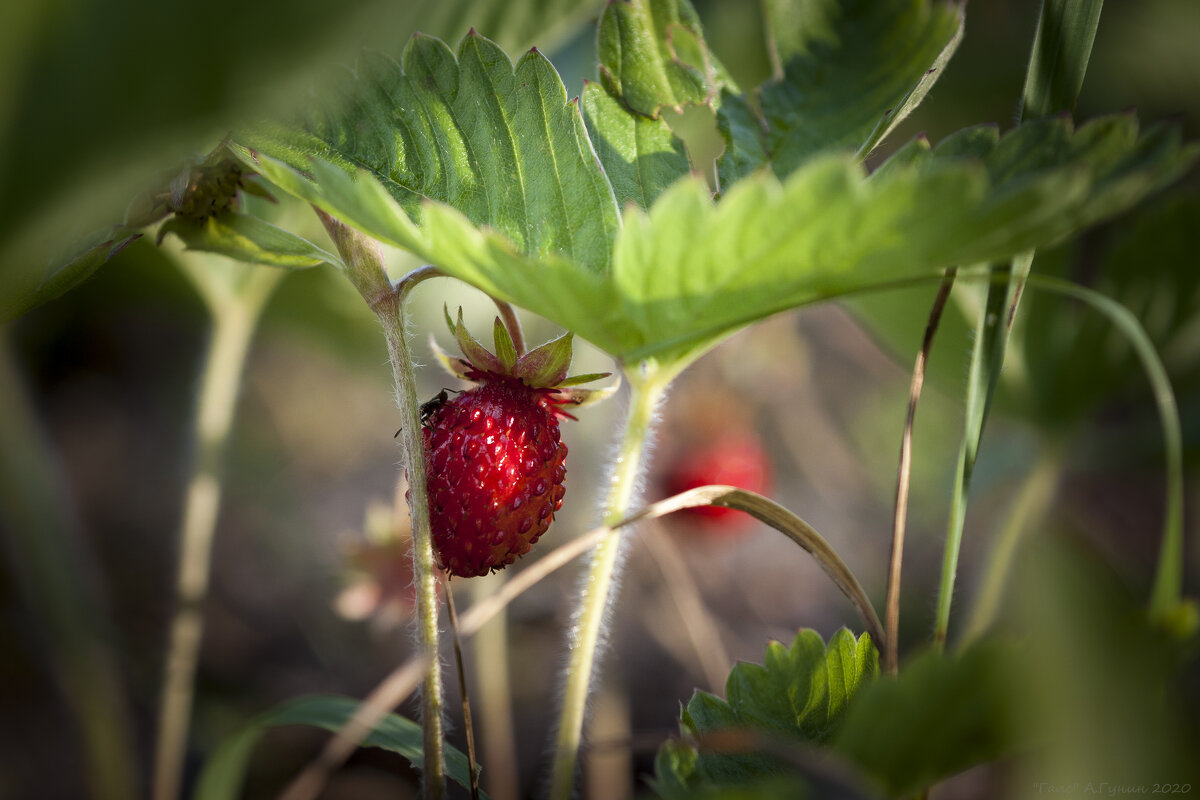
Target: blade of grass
x,y
1026,510
696,620
1061,49
1167,591
494,692
987,358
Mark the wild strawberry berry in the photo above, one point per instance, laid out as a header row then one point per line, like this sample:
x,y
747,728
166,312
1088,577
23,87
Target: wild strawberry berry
x,y
735,458
494,458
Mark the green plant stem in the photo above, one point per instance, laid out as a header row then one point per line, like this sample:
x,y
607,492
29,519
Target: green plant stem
x,y
598,588
364,268
987,358
1057,64
235,315
1167,592
468,725
1027,509
53,576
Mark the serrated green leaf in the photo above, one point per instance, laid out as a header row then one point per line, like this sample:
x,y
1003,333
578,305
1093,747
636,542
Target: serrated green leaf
x,y
500,143
755,692
688,271
846,74
785,701
652,55
675,767
247,238
223,775
641,156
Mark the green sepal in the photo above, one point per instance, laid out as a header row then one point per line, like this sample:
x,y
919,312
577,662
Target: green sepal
x,y
546,365
479,356
457,367
506,350
587,397
575,380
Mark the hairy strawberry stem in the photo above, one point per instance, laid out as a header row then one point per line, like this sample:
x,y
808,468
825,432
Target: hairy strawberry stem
x,y
598,588
364,265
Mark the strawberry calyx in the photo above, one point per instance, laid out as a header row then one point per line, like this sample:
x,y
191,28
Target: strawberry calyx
x,y
544,369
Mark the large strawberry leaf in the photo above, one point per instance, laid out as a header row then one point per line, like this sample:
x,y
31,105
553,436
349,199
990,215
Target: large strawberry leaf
x,y
689,270
501,144
641,156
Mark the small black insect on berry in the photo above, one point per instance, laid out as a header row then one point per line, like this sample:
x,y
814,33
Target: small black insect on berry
x,y
430,407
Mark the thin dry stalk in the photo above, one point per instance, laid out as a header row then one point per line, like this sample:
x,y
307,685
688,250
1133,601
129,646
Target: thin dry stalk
x,y
472,762
891,657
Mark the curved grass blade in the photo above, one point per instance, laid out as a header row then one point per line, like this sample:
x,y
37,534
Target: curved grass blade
x,y
1168,580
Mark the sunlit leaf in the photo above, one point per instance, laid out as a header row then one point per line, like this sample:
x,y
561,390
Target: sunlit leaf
x,y
247,238
641,156
653,55
690,270
799,694
501,144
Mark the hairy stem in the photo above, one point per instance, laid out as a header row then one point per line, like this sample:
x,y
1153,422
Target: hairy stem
x,y
234,319
599,584
364,265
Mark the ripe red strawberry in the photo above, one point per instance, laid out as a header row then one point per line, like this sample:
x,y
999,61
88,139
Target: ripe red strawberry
x,y
494,459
